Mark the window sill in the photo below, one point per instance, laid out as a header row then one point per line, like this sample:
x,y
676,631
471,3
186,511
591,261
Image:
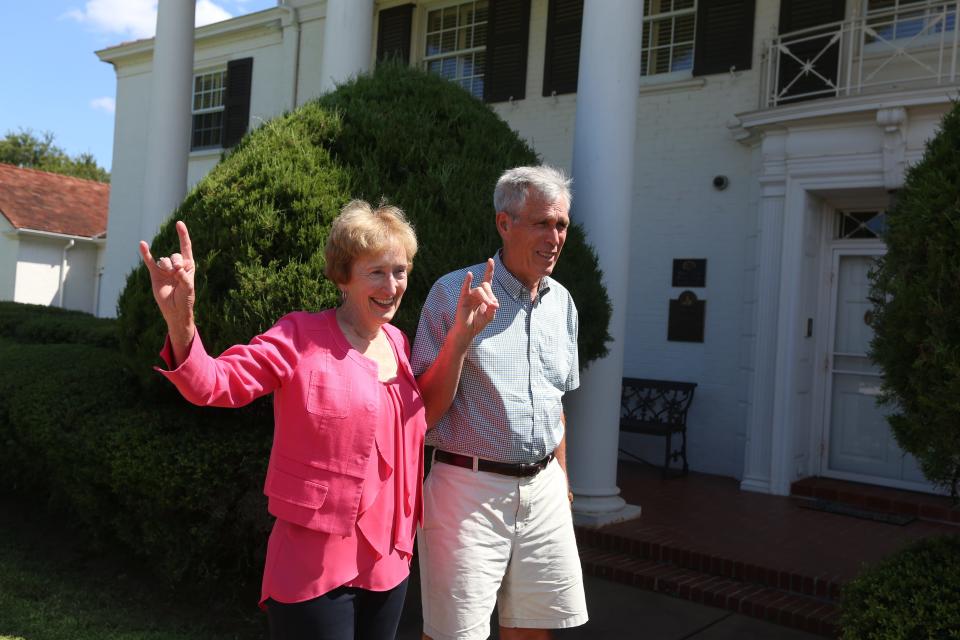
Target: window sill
x,y
205,152
651,85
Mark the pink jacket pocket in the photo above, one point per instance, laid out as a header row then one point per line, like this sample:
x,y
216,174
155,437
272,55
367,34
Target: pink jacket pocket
x,y
314,498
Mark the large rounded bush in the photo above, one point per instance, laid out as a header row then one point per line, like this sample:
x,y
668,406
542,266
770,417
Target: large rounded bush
x,y
913,594
259,220
917,309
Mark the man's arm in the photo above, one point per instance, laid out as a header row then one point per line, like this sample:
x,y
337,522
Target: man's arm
x,y
476,307
439,383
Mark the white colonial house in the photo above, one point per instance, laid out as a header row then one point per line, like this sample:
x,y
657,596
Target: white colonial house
x,y
733,157
52,238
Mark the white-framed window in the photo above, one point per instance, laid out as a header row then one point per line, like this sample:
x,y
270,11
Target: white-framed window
x,y
455,43
668,35
914,19
208,92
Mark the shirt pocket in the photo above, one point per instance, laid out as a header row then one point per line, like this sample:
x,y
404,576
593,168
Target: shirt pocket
x,y
555,360
328,395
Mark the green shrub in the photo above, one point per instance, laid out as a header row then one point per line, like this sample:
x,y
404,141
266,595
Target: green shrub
x,y
42,324
259,220
917,309
911,595
176,484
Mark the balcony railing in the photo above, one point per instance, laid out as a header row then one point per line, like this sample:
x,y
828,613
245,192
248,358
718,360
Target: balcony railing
x,y
913,46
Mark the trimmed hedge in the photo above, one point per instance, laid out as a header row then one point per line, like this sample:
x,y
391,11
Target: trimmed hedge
x,y
178,485
911,595
38,323
917,310
260,219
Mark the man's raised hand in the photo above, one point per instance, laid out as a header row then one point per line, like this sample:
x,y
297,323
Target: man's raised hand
x,y
477,306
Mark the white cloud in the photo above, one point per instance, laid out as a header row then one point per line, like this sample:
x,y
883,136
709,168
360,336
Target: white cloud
x,y
105,103
208,12
137,18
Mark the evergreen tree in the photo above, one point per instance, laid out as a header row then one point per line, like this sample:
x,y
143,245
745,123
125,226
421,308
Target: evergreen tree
x,y
916,297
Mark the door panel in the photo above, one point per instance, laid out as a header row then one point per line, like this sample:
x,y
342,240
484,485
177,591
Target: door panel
x,y
860,441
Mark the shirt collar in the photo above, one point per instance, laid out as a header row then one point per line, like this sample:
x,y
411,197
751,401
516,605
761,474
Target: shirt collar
x,y
514,288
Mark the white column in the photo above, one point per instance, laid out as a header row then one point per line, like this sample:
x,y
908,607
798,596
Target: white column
x,y
347,34
291,53
759,444
603,172
168,135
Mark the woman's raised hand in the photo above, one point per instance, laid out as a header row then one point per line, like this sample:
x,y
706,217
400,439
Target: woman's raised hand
x,y
172,280
477,305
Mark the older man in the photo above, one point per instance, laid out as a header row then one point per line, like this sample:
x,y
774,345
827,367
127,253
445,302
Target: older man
x,y
497,525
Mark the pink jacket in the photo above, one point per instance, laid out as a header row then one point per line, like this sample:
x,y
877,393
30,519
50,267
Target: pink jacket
x,y
324,412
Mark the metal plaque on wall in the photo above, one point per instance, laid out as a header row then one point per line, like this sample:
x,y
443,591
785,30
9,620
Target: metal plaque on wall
x,y
687,317
690,272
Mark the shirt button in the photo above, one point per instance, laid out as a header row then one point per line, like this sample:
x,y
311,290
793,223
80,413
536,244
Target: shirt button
x,y
371,406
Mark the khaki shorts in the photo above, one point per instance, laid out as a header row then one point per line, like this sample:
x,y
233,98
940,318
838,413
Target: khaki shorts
x,y
492,539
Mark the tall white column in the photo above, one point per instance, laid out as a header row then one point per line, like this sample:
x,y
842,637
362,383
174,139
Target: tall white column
x,y
168,135
759,444
603,172
347,34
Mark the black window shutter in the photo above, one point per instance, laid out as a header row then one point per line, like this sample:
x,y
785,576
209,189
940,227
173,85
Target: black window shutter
x,y
236,100
724,36
393,34
813,46
562,59
508,28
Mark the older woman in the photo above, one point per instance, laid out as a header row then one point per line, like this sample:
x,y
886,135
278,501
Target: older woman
x,y
345,472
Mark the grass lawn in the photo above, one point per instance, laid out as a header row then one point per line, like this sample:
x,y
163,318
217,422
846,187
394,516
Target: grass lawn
x,y
52,589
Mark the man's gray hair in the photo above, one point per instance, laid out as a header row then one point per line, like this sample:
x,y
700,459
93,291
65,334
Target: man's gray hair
x,y
547,183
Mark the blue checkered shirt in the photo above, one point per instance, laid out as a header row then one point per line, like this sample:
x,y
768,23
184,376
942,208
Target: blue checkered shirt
x,y
508,404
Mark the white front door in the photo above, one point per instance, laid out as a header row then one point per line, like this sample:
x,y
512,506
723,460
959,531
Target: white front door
x,y
858,444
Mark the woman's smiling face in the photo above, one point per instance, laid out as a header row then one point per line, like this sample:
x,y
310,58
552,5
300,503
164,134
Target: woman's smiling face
x,y
377,283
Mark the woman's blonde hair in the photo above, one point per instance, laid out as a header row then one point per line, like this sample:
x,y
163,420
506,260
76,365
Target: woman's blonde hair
x,y
361,229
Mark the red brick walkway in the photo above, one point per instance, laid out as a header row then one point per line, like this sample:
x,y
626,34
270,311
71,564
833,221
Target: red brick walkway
x,y
702,538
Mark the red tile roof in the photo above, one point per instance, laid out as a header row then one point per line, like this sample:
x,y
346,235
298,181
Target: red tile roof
x,y
42,201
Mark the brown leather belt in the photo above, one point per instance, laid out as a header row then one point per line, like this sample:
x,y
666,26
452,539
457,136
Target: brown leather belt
x,y
521,470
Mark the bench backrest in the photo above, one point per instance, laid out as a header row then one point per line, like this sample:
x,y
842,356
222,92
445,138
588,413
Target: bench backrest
x,y
647,401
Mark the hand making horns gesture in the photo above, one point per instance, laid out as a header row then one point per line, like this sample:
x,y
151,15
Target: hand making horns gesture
x,y
172,280
477,306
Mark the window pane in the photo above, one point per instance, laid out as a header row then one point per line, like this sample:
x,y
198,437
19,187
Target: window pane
x,y
447,41
466,14
464,41
433,20
481,11
449,69
682,58
683,29
479,62
480,36
477,88
449,18
433,44
683,4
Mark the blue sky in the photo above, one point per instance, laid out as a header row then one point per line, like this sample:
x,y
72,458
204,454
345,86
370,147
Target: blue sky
x,y
50,77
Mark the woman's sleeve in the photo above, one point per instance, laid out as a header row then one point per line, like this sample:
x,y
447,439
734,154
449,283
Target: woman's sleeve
x,y
241,374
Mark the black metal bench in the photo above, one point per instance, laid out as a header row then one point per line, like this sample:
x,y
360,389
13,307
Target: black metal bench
x,y
657,408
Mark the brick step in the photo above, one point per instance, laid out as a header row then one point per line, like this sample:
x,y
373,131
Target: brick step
x,y
809,613
660,549
883,500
